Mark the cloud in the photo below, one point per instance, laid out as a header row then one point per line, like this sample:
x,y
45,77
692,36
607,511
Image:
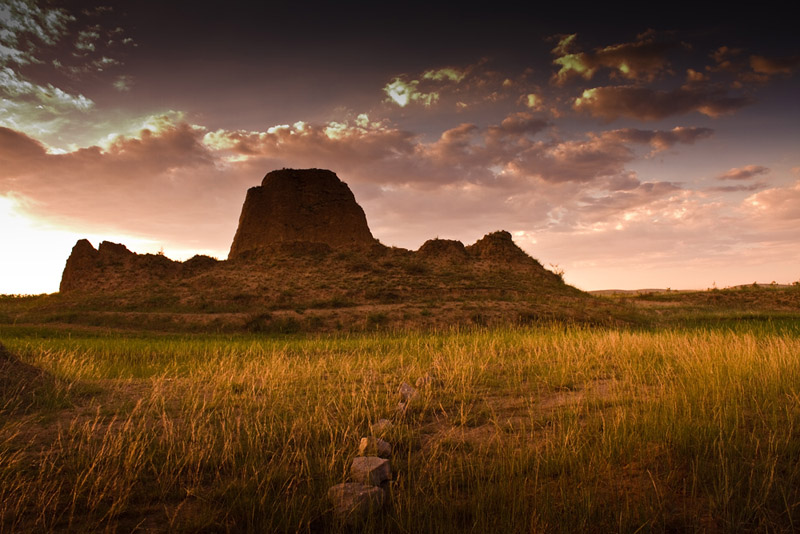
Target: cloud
x,y
448,73
737,188
403,92
533,101
25,27
86,40
652,104
643,59
451,87
693,76
123,83
661,140
620,204
182,183
755,68
152,184
743,173
600,155
19,153
725,59
31,32
777,203
78,45
521,123
36,109
772,66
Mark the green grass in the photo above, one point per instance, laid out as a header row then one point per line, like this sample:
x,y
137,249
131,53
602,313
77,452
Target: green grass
x,y
547,428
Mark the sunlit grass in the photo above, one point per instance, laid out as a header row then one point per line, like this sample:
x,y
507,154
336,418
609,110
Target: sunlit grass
x,y
543,429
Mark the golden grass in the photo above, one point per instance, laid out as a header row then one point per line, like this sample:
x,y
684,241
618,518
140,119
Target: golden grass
x,y
549,429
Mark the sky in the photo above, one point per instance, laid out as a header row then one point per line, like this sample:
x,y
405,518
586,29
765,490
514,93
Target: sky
x,y
629,149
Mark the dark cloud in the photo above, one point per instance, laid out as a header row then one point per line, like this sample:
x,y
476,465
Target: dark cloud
x,y
726,59
519,124
644,58
652,104
771,66
737,188
662,139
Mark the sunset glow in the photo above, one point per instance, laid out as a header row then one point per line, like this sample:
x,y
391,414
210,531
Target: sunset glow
x,y
630,153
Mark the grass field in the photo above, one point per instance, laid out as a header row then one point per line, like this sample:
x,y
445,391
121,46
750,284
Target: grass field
x,y
549,428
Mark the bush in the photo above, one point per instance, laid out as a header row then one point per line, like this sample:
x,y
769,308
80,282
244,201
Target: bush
x,y
377,319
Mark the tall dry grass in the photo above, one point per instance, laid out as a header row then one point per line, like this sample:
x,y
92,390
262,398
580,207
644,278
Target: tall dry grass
x,y
524,430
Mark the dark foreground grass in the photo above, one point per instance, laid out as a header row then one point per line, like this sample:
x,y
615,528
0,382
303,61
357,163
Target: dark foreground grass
x,y
541,429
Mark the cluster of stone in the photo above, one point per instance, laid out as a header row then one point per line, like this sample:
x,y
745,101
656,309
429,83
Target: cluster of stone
x,y
370,475
371,472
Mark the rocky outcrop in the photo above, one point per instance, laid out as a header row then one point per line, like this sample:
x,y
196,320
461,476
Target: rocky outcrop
x,y
298,217
443,250
300,205
82,260
112,266
499,247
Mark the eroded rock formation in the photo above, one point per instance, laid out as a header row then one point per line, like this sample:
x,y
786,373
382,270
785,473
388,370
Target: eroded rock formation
x,y
296,220
499,246
112,266
300,206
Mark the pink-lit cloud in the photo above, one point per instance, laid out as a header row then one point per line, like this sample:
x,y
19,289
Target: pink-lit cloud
x,y
180,181
781,203
743,173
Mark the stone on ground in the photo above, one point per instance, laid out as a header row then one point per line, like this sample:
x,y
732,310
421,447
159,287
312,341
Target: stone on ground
x,y
372,446
407,392
353,501
383,425
370,470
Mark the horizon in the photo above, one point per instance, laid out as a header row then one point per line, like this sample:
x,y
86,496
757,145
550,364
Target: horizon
x,y
629,154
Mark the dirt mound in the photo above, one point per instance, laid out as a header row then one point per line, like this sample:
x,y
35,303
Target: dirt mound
x,y
20,383
301,205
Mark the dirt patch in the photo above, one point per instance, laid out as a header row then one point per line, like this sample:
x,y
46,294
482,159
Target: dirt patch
x,y
21,384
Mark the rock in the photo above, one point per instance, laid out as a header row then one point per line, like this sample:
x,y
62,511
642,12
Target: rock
x,y
443,250
499,247
301,205
372,446
84,257
370,470
353,501
407,392
382,426
112,266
